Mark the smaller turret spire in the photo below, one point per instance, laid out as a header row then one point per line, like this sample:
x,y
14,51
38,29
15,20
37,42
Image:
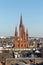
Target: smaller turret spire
x,y
26,34
26,31
16,29
16,33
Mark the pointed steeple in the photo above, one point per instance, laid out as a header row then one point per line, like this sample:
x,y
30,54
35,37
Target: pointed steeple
x,y
16,33
16,29
26,31
26,34
20,20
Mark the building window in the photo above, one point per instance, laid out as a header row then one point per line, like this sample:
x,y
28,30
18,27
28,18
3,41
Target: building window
x,y
24,45
21,45
27,45
14,45
18,45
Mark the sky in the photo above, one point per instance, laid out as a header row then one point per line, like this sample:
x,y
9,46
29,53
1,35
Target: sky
x,y
32,15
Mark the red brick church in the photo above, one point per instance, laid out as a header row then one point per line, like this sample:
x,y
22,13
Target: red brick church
x,y
21,40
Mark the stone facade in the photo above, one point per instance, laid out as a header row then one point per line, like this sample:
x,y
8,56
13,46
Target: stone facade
x,y
21,40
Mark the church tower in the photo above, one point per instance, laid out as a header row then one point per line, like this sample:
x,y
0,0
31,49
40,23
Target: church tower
x,y
16,38
26,34
26,38
21,29
16,34
21,41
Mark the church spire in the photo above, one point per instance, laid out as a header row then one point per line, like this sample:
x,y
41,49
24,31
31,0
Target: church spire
x,y
26,34
16,33
26,31
20,20
15,29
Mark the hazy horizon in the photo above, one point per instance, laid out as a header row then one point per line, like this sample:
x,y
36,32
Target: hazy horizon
x,y
32,15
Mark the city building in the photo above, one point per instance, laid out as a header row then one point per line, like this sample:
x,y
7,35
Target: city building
x,y
21,40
